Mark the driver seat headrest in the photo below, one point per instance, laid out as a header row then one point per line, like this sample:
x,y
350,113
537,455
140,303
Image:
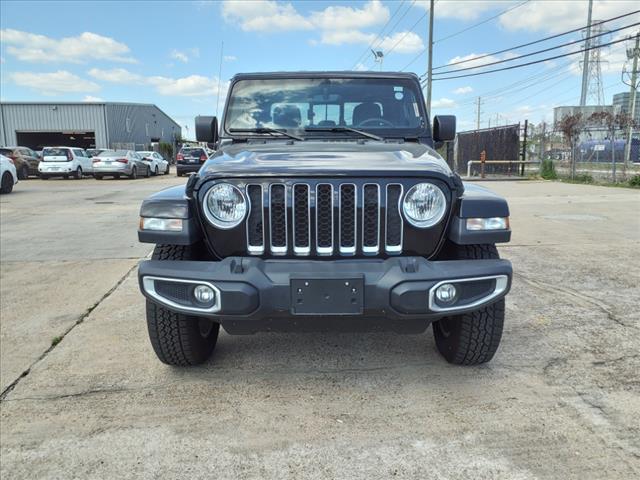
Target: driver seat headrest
x,y
365,111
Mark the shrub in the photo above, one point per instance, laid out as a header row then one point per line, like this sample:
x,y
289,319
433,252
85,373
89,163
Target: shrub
x,y
635,181
548,170
583,178
166,150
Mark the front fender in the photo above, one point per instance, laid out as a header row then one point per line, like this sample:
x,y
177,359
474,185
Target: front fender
x,y
478,202
170,203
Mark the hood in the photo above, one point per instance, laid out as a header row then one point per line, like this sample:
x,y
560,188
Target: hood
x,y
331,159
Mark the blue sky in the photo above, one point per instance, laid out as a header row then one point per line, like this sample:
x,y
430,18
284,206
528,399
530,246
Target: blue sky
x,y
168,53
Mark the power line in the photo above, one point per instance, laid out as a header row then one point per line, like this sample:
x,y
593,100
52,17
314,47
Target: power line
x,y
480,23
368,49
534,42
405,34
531,63
424,50
537,52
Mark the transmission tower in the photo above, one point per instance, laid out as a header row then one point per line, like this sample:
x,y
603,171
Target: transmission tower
x,y
595,91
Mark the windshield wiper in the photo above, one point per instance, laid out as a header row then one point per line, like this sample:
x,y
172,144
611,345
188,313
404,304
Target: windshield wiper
x,y
266,130
344,129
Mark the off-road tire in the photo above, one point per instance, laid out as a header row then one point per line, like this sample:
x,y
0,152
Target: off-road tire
x,y
6,184
179,339
470,338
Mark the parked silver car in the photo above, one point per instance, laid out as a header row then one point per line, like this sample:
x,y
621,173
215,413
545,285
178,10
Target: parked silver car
x,y
116,163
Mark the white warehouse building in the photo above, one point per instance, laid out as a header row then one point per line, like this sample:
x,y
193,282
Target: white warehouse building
x,y
85,125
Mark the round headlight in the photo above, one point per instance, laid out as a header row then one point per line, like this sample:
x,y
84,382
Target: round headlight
x,y
225,205
424,205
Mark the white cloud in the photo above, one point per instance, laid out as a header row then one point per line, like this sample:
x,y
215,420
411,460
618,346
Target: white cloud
x,y
539,15
361,67
53,83
193,85
116,75
91,98
463,90
264,16
443,103
30,47
401,42
229,58
338,37
465,10
190,86
469,60
178,55
348,18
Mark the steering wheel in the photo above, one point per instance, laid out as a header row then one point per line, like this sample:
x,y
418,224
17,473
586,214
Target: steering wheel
x,y
381,122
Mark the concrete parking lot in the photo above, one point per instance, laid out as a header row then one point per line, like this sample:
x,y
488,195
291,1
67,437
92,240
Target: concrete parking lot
x,y
561,399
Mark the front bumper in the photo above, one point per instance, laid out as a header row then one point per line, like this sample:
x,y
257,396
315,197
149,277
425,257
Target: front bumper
x,y
252,294
188,167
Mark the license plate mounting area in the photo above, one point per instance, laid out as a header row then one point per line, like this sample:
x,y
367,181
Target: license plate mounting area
x,y
323,296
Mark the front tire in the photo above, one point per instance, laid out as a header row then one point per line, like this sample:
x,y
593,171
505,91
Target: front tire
x,y
179,339
6,184
470,338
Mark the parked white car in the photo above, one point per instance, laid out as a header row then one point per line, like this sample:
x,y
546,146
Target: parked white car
x,y
8,174
64,162
155,161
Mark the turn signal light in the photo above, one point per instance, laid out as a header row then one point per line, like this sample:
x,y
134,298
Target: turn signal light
x,y
491,223
161,224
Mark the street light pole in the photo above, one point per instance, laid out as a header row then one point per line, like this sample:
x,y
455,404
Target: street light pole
x,y
430,64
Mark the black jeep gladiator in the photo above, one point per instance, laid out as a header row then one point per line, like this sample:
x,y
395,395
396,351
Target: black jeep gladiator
x,y
325,207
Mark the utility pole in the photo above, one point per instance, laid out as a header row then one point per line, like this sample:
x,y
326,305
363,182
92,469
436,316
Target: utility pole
x,y
542,141
430,64
478,103
219,76
585,62
633,84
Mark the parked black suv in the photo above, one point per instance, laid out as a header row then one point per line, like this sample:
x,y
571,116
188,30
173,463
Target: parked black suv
x,y
325,207
190,159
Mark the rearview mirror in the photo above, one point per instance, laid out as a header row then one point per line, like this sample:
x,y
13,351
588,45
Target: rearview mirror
x,y
444,128
207,129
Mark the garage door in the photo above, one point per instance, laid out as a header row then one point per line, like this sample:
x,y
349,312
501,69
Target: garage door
x,y
38,140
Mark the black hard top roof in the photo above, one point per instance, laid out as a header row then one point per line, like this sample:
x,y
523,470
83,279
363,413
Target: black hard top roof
x,y
324,74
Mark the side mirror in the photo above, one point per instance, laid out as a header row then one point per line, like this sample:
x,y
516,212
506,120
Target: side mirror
x,y
207,129
444,128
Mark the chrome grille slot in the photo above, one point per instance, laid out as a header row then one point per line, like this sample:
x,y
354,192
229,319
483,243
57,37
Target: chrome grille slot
x,y
278,218
393,224
371,219
324,219
255,221
301,205
348,216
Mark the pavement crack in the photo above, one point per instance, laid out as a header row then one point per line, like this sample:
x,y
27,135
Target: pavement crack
x,y
573,295
61,337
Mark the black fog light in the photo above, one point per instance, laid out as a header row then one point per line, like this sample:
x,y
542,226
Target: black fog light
x,y
446,294
204,295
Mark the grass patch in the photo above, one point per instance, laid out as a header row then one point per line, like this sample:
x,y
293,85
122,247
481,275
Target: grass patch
x,y
548,170
55,341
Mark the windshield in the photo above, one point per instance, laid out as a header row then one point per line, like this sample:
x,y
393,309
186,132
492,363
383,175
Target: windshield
x,y
54,154
111,153
192,152
380,104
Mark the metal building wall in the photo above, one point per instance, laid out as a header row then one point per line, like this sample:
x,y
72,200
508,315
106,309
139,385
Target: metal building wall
x,y
51,117
138,124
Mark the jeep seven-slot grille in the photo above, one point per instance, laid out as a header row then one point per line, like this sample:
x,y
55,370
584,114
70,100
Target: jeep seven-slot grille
x,y
324,219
